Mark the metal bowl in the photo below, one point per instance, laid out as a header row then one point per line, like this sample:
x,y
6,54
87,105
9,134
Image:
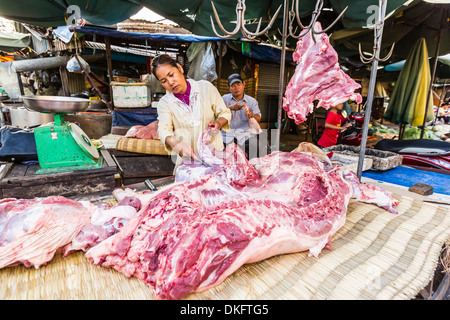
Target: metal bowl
x,y
55,104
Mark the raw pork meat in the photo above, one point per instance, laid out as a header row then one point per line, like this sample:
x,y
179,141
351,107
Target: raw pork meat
x,y
317,77
370,193
106,220
193,234
253,125
33,230
144,132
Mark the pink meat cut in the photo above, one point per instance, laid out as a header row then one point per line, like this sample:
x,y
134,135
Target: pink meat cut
x,y
33,230
193,234
105,222
144,132
317,77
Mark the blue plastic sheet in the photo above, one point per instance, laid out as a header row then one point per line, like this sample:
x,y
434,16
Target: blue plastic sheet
x,y
107,32
266,53
134,117
407,177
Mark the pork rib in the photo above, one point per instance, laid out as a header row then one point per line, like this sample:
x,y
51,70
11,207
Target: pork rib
x,y
317,77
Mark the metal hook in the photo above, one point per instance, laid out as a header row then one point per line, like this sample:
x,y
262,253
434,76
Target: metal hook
x,y
314,16
240,23
370,57
378,31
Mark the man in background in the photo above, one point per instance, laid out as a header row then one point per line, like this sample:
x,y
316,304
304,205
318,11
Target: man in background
x,y
245,115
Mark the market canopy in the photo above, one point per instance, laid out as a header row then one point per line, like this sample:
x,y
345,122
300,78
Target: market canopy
x,y
194,15
53,13
420,19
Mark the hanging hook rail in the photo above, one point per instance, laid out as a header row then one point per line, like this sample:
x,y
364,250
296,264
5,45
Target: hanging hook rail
x,y
378,31
314,16
240,23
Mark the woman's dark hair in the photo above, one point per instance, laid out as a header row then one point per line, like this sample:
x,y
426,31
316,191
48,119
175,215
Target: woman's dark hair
x,y
163,59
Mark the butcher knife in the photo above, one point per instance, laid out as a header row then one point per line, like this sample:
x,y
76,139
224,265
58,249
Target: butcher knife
x,y
150,185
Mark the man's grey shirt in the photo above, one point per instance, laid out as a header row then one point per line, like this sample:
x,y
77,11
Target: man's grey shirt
x,y
239,122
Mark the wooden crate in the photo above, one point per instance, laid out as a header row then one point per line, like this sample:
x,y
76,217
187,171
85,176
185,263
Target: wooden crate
x,y
20,181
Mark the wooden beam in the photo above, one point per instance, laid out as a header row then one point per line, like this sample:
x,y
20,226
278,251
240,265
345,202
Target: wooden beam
x,y
109,65
64,81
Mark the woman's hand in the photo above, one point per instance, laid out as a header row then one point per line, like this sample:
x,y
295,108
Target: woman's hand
x,y
214,126
184,150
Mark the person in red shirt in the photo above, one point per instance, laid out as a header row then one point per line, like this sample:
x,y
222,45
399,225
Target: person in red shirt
x,y
333,124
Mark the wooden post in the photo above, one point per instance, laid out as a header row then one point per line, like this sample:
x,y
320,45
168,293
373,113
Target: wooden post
x,y
64,81
109,64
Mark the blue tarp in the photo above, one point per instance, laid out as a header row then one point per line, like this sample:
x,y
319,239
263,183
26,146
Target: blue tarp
x,y
266,53
407,177
258,52
134,117
144,36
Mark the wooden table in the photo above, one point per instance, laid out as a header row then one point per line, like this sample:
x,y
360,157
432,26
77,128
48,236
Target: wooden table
x,y
137,167
20,180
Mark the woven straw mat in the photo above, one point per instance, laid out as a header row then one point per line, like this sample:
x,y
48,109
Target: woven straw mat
x,y
147,146
375,255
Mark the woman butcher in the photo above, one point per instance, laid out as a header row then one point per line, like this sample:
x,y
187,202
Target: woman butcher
x,y
187,109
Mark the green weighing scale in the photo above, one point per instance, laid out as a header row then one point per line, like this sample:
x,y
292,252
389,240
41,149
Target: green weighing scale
x,y
62,146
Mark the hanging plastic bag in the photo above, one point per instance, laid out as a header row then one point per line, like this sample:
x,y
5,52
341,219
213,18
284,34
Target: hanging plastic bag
x,y
73,65
202,61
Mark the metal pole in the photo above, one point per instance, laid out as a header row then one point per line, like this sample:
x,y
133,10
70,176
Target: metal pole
x,y
441,98
436,54
220,66
282,65
373,77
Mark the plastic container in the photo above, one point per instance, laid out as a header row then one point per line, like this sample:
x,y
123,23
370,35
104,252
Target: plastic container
x,y
131,95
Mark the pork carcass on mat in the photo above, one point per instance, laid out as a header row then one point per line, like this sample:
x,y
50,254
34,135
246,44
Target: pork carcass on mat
x,y
317,77
32,230
193,234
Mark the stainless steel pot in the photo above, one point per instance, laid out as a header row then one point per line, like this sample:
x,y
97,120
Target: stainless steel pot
x,y
23,118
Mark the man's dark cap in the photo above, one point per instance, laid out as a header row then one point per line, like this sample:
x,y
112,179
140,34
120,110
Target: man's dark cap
x,y
234,78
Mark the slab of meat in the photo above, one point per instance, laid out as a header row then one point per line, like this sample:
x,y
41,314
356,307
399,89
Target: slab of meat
x,y
193,234
144,132
105,222
33,230
370,193
230,164
317,77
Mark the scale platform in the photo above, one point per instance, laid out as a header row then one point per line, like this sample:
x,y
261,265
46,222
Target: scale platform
x,y
62,146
